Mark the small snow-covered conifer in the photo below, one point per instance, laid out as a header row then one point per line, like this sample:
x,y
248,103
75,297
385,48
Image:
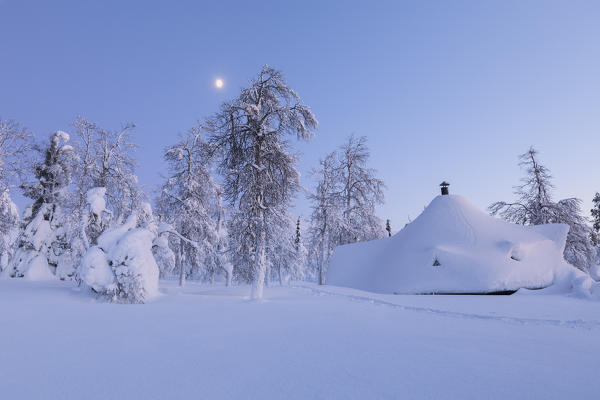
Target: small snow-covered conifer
x,y
286,254
299,270
596,219
44,243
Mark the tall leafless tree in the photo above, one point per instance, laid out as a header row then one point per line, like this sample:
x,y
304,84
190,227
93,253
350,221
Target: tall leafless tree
x,y
534,206
259,171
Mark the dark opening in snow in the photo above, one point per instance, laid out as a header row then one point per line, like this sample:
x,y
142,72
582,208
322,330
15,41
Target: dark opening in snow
x,y
496,293
514,255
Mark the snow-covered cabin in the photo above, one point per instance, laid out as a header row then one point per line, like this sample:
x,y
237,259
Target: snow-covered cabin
x,y
453,247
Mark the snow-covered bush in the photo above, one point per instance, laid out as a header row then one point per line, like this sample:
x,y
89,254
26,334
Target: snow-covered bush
x,y
145,218
121,267
97,218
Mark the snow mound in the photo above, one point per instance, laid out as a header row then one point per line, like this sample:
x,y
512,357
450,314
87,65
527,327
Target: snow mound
x,y
595,272
134,265
96,272
38,269
453,247
122,266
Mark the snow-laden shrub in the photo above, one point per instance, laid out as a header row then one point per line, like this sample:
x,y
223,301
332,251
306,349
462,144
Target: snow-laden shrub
x,y
96,218
145,218
121,267
164,256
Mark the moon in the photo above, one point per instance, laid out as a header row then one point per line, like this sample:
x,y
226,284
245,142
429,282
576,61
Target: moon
x,y
219,83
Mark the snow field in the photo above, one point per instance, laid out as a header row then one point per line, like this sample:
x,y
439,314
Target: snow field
x,y
298,343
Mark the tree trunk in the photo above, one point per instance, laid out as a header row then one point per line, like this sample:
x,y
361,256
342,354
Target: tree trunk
x,y
260,265
181,266
324,259
229,277
268,275
279,273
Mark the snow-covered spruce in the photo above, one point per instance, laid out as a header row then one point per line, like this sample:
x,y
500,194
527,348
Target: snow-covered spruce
x,y
595,211
121,268
299,271
43,247
287,255
259,171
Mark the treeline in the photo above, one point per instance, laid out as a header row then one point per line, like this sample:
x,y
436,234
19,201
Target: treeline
x,y
223,209
223,212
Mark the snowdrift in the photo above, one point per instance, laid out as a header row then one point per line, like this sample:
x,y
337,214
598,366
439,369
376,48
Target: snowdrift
x,y
453,247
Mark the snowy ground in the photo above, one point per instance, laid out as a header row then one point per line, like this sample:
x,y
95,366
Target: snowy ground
x,y
303,342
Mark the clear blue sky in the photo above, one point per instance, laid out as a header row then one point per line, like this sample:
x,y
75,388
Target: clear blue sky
x,y
443,90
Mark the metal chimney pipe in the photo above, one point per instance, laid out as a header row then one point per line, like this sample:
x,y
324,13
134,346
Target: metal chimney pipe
x,y
444,185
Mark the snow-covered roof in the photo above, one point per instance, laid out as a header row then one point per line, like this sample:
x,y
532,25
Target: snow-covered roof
x,y
453,247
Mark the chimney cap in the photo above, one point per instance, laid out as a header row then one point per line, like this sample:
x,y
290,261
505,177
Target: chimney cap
x,y
444,184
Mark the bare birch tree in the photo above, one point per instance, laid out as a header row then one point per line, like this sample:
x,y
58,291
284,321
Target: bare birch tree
x,y
534,206
259,171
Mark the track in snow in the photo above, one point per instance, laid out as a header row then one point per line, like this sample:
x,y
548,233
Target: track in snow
x,y
573,324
